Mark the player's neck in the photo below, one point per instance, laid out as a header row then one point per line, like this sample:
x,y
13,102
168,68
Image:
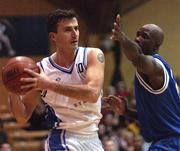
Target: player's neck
x,y
64,59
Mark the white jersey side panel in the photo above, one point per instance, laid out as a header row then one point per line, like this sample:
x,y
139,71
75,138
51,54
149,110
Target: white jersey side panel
x,y
77,116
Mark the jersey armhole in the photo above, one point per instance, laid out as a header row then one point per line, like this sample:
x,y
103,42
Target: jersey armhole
x,y
39,64
85,58
148,87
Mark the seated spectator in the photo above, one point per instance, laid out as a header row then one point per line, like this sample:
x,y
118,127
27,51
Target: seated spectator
x,y
121,90
110,145
5,147
138,143
3,134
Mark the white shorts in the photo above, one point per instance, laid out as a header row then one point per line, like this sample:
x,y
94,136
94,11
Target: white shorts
x,y
61,140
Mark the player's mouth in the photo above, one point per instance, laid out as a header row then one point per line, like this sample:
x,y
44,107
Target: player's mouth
x,y
138,42
75,42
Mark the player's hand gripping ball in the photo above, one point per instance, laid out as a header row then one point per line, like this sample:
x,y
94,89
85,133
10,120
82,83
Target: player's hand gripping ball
x,y
13,71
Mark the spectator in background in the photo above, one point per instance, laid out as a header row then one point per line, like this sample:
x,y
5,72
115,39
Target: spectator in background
x,y
6,48
3,134
138,143
110,145
111,90
121,90
5,147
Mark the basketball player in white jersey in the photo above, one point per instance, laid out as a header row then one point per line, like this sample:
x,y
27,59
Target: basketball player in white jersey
x,y
70,83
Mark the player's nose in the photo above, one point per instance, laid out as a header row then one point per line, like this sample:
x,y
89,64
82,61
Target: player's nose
x,y
139,39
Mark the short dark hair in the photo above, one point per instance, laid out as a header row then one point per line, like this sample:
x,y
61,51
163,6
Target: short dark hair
x,y
57,15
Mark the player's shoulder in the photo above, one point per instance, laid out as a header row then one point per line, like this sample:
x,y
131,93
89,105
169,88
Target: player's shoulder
x,y
95,54
44,62
94,50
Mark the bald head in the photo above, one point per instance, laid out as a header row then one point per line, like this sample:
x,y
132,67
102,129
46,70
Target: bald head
x,y
155,32
149,37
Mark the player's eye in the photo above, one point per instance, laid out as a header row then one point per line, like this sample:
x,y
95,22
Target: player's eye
x,y
143,35
68,29
76,28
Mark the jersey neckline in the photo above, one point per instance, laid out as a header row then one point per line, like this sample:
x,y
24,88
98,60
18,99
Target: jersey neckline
x,y
63,69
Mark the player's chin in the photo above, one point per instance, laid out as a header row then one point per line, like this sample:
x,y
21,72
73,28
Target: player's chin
x,y
74,45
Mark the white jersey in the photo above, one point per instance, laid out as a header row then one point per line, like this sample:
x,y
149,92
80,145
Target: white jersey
x,y
76,116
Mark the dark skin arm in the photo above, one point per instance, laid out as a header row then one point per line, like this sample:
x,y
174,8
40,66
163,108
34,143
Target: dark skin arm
x,y
147,67
119,105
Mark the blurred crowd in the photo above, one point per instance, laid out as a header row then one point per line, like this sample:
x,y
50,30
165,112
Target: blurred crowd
x,y
4,144
121,133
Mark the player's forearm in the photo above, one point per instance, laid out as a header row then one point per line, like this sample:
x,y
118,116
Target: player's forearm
x,y
130,48
80,92
17,108
131,113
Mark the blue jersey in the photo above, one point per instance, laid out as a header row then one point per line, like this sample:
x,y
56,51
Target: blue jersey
x,y
158,110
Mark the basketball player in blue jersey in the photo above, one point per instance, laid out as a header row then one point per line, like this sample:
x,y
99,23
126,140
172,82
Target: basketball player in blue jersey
x,y
156,93
70,83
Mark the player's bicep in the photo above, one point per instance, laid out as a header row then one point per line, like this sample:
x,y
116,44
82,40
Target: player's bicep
x,y
95,69
148,66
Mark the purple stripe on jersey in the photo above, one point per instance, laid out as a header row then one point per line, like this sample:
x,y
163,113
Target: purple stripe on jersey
x,y
41,65
55,141
84,57
64,139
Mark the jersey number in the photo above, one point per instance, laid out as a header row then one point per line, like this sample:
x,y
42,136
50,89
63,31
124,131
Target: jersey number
x,y
80,67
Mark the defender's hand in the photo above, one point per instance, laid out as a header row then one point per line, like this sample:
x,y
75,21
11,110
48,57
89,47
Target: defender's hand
x,y
117,104
116,31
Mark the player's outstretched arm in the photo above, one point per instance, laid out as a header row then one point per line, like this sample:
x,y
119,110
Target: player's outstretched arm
x,y
130,48
143,63
23,106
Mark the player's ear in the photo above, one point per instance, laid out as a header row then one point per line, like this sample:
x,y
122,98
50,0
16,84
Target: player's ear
x,y
52,36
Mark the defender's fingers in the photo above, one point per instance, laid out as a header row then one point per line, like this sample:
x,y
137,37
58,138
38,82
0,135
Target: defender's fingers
x,y
113,97
104,98
105,105
118,19
114,38
116,27
116,32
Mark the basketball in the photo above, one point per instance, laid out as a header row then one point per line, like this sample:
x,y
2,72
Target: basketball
x,y
13,71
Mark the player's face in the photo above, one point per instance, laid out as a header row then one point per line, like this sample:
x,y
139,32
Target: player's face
x,y
67,36
145,41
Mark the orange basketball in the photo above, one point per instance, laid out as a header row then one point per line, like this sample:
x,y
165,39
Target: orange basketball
x,y
13,71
